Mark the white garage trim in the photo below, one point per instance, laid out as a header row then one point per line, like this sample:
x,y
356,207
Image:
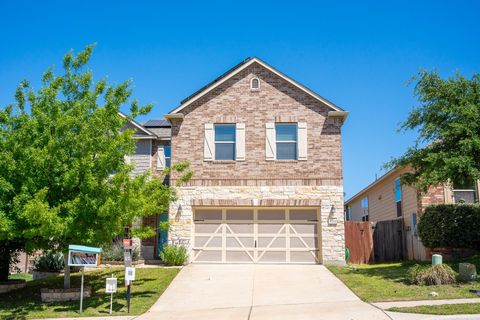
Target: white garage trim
x,y
254,239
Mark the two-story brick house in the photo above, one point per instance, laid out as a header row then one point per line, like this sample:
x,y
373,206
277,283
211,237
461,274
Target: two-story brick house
x,y
267,161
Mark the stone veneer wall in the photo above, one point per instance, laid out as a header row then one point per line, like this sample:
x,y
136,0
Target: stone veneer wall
x,y
333,237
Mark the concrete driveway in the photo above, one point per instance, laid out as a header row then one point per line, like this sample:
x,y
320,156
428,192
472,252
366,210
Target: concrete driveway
x,y
259,292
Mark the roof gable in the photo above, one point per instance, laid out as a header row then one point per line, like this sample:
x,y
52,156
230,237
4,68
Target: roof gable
x,y
237,69
140,131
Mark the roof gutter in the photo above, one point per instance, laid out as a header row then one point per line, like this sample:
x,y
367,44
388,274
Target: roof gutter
x,y
342,115
174,116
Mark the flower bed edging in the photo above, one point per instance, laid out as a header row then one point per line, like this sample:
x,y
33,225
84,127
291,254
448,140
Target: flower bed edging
x,y
12,285
51,295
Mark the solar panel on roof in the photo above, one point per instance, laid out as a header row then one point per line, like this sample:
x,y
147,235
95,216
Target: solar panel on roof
x,y
156,123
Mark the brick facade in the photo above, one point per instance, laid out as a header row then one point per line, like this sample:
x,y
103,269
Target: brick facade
x,y
319,178
277,100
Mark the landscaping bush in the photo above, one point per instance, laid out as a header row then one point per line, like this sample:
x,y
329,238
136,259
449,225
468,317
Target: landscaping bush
x,y
115,252
451,226
431,275
49,262
174,255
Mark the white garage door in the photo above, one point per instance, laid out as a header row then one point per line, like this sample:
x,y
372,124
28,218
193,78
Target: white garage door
x,y
277,235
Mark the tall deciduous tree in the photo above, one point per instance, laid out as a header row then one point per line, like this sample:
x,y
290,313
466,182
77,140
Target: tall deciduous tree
x,y
63,178
448,123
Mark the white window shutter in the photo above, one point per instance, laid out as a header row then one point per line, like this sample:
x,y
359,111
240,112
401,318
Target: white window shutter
x,y
302,141
270,145
240,142
209,143
160,157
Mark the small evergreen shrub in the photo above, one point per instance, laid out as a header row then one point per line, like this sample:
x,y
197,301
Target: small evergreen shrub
x,y
173,255
431,275
115,251
49,262
451,226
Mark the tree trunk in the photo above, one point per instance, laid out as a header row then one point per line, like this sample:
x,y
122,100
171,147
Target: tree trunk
x,y
4,265
66,273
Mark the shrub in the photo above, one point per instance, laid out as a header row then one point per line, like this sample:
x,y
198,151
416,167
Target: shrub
x,y
174,255
431,275
49,262
115,252
451,226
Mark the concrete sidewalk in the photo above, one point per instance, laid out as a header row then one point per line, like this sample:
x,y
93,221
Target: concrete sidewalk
x,y
251,292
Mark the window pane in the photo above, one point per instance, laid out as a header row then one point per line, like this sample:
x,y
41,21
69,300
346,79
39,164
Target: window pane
x,y
468,184
167,162
464,196
286,132
399,208
286,151
224,132
224,151
167,151
398,190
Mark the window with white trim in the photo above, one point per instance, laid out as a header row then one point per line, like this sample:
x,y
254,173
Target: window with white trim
x,y
286,141
255,84
465,191
224,141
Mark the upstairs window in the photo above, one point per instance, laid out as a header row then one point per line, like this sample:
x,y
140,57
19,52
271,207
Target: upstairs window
x,y
224,141
364,205
286,141
398,196
465,192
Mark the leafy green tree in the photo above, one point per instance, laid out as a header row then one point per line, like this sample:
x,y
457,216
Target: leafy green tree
x,y
63,178
448,124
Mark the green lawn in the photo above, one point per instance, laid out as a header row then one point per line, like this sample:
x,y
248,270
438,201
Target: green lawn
x,y
443,309
21,276
387,282
149,285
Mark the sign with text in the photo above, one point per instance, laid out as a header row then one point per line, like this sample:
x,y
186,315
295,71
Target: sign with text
x,y
82,256
127,258
129,274
111,285
127,243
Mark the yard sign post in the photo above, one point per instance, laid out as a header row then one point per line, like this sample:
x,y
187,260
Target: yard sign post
x,y
111,287
81,256
127,246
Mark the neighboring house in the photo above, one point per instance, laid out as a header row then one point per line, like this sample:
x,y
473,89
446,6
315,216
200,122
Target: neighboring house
x,y
267,161
388,199
152,154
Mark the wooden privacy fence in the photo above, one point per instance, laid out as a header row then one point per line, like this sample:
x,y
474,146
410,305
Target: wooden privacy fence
x,y
380,241
389,240
358,239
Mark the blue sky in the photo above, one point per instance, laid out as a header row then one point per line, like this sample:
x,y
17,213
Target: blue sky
x,y
357,54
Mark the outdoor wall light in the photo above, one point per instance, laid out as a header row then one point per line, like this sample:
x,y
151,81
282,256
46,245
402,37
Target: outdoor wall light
x,y
332,220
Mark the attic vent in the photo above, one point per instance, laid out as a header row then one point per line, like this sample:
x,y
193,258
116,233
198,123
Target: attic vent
x,y
255,84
